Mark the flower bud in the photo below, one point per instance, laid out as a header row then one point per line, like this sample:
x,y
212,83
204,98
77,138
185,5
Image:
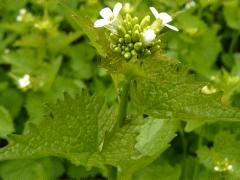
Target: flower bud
x,y
136,36
130,45
128,17
127,55
135,20
133,52
120,40
148,52
138,46
117,49
136,27
121,29
113,37
112,46
127,38
127,49
145,22
155,48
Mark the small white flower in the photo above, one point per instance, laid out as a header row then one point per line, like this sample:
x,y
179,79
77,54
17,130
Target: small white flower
x,y
149,35
208,90
22,11
230,167
190,4
165,18
24,81
19,18
216,168
109,16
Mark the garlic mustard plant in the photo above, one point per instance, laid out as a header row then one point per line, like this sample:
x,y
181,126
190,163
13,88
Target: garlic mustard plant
x,y
131,36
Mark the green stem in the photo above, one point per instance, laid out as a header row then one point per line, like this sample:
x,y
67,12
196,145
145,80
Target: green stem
x,y
123,102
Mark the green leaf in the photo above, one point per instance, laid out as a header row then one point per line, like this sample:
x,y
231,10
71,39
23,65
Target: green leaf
x,y
81,60
46,168
153,134
70,127
159,171
36,101
80,130
6,122
171,93
232,14
9,97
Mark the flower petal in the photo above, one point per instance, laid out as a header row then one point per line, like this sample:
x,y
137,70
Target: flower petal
x,y
106,13
117,8
165,17
148,36
154,11
100,23
172,27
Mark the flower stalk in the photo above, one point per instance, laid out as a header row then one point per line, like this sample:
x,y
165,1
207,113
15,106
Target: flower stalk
x,y
123,102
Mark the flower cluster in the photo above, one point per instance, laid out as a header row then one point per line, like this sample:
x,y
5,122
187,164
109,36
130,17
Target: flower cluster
x,y
130,36
24,16
223,166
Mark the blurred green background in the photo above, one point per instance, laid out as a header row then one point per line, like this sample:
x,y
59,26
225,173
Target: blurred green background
x,y
44,53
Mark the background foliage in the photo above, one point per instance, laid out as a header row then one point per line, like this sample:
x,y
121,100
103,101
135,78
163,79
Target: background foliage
x,y
49,46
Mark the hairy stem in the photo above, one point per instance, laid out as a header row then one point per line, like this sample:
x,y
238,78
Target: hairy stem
x,y
123,102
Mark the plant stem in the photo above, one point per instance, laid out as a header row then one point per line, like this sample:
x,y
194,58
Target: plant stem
x,y
123,102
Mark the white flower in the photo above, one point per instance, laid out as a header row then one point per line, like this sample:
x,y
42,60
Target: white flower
x,y
165,18
19,18
149,35
24,81
109,16
208,90
190,4
22,11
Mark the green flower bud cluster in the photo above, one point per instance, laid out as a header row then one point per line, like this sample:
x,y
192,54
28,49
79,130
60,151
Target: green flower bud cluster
x,y
128,40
